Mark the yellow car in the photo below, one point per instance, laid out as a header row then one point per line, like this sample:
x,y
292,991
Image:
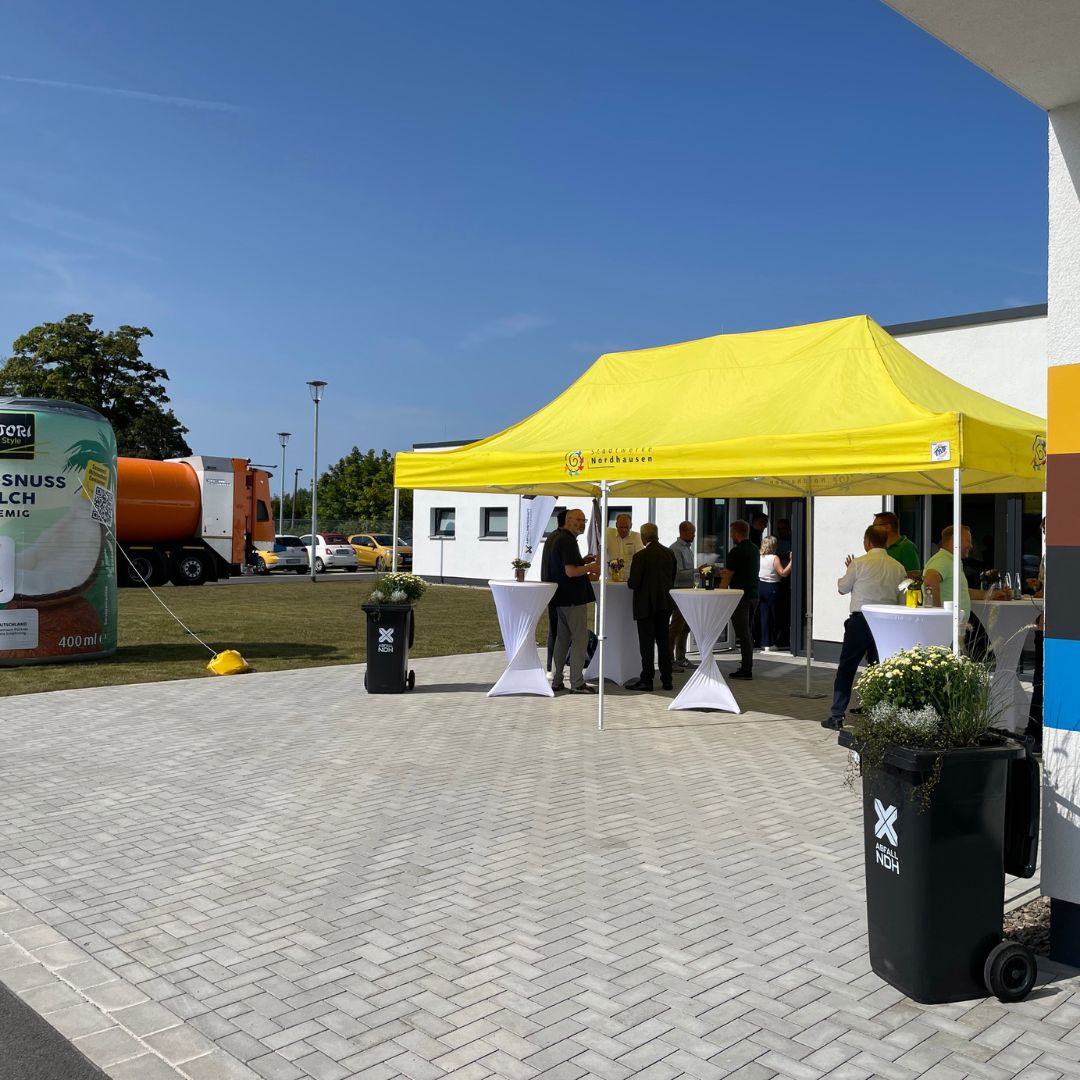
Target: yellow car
x,y
375,549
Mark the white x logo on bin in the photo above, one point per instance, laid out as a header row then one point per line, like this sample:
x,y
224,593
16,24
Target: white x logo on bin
x,y
886,818
386,635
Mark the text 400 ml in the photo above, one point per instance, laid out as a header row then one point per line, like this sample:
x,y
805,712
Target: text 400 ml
x,y
79,641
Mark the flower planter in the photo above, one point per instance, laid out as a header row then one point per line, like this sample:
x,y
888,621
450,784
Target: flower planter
x,y
519,573
935,873
389,635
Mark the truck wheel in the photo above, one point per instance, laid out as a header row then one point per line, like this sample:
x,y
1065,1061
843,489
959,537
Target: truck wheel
x,y
261,568
320,567
188,569
145,568
1010,971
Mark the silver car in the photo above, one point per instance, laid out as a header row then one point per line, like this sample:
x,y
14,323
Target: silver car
x,y
332,552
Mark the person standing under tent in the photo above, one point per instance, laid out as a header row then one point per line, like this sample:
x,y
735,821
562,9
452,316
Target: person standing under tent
x,y
545,575
683,550
873,578
900,547
573,576
622,542
652,574
771,573
742,565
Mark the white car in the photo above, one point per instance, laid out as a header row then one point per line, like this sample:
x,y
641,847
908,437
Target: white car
x,y
288,553
332,552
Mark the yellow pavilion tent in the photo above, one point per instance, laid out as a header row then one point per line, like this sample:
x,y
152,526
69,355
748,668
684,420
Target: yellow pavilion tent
x,y
830,408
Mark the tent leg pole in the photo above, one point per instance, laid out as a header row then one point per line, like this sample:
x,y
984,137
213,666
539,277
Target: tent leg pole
x,y
601,619
393,550
958,562
808,693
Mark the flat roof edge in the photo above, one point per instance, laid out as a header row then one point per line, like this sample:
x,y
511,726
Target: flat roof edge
x,y
978,318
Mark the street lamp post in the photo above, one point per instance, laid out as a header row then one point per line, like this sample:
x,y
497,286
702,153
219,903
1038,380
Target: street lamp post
x,y
295,479
283,438
316,386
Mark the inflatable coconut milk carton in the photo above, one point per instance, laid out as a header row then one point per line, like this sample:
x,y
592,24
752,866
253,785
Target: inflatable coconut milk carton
x,y
57,549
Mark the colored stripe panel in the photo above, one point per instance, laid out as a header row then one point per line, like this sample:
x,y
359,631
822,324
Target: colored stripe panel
x,y
1063,407
1061,685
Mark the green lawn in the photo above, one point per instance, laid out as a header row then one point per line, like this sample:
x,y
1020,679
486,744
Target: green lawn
x,y
274,625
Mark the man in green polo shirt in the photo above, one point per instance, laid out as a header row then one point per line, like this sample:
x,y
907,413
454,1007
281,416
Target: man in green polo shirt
x,y
900,547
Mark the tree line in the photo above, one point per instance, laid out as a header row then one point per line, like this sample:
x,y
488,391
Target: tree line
x,y
71,360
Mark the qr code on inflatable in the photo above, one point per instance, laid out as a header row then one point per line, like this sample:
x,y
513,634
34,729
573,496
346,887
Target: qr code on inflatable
x,y
103,506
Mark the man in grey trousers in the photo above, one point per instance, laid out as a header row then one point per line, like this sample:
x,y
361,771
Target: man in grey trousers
x,y
573,575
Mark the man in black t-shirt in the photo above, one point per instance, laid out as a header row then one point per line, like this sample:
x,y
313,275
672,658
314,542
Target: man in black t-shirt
x,y
573,576
545,575
743,562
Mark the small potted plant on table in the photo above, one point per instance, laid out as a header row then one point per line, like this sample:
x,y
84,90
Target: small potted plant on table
x,y
520,566
615,569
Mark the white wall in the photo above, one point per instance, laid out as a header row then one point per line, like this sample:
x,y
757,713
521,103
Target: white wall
x,y
1005,360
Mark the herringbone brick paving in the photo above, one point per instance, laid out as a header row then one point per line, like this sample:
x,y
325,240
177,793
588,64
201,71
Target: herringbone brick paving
x,y
282,877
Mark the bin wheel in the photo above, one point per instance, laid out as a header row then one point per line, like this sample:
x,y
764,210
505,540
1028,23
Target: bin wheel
x,y
412,679
365,680
1010,971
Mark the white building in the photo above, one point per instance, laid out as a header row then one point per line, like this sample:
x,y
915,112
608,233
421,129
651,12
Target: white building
x,y
467,538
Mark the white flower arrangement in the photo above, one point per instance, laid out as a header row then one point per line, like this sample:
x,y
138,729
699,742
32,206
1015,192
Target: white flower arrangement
x,y
398,588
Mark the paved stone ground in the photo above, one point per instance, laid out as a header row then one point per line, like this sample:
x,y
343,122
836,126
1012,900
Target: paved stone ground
x,y
279,876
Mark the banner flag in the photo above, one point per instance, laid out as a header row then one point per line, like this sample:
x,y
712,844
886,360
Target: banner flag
x,y
535,513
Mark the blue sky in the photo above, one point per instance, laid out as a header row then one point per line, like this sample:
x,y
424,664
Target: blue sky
x,y
448,210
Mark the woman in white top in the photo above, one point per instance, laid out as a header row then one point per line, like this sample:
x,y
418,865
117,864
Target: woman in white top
x,y
770,571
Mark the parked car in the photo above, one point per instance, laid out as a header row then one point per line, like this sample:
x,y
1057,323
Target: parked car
x,y
332,552
288,553
375,549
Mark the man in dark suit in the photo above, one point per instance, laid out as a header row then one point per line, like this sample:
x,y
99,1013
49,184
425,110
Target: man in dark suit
x,y
652,574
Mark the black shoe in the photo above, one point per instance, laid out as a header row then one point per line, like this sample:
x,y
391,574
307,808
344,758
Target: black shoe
x,y
666,686
678,668
833,723
583,689
740,674
638,684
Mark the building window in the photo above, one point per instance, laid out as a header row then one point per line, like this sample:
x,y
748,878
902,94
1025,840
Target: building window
x,y
613,513
493,522
442,522
553,521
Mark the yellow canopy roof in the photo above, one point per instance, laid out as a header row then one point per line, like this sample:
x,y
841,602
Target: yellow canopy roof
x,y
831,408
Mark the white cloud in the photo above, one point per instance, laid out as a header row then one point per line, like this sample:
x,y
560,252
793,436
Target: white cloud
x,y
132,95
509,326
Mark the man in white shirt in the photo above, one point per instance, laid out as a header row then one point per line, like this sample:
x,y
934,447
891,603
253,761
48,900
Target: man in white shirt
x,y
622,543
873,578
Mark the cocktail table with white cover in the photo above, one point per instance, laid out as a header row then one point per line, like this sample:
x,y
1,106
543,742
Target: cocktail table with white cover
x,y
896,627
622,655
1008,624
707,612
519,605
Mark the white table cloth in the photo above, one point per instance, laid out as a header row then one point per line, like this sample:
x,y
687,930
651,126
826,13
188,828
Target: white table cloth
x,y
1008,623
707,612
896,627
519,605
622,656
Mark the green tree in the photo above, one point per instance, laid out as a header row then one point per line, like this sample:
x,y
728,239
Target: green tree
x,y
360,487
71,361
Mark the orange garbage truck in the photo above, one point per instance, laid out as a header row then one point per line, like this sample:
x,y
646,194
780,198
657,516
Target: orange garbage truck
x,y
189,520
